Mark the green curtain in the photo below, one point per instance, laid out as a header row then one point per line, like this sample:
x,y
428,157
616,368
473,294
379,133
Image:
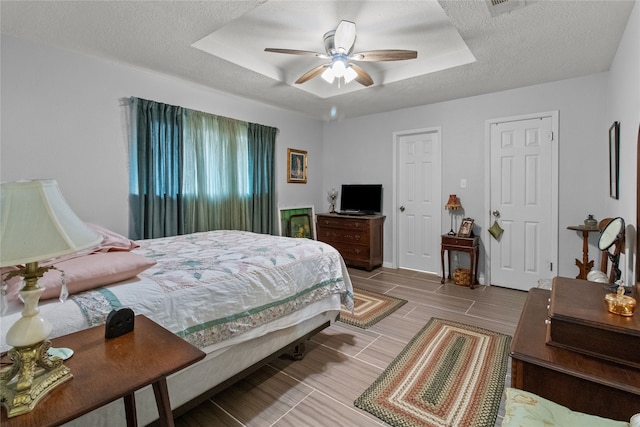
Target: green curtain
x,y
193,171
262,142
216,190
155,175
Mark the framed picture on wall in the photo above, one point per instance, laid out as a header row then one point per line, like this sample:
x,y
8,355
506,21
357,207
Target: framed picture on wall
x,y
296,166
614,159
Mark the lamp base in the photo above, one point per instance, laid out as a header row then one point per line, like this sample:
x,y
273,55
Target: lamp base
x,y
451,232
33,374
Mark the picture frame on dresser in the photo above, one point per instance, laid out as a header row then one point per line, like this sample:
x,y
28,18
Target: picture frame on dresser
x,y
289,216
466,228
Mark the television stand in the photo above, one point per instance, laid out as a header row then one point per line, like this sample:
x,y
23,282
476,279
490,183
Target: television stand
x,y
358,238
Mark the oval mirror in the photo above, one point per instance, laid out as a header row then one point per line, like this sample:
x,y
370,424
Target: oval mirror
x,y
611,233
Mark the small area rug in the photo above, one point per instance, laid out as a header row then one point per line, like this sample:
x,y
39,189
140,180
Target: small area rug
x,y
370,308
450,374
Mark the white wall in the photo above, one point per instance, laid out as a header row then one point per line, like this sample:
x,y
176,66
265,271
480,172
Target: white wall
x,y
587,105
64,117
582,150
624,106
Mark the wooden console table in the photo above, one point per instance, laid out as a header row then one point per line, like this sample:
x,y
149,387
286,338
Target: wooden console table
x,y
580,382
106,370
470,245
585,265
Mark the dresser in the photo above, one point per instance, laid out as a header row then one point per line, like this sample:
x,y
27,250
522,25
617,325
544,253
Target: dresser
x,y
578,381
359,239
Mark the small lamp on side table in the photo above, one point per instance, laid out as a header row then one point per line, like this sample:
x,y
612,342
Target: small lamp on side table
x,y
333,194
453,204
36,224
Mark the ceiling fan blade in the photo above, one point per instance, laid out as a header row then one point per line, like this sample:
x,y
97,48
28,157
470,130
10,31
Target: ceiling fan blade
x,y
312,73
384,55
363,77
345,36
296,52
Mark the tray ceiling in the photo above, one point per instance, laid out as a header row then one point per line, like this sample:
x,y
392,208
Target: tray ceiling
x,y
462,49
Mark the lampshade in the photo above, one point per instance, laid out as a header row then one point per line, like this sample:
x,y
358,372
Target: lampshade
x,y
453,203
36,224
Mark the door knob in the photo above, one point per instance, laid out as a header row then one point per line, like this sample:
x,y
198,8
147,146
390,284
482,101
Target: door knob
x,y
401,208
496,213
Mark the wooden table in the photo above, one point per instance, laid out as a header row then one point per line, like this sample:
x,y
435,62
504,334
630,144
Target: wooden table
x,y
580,382
585,265
470,245
106,370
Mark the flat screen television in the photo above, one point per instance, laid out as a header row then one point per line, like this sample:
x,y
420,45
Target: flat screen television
x,y
361,199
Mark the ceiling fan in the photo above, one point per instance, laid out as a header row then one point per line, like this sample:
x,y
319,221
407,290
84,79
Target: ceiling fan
x,y
339,45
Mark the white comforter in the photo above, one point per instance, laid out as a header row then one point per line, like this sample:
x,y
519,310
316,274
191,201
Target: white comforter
x,y
214,286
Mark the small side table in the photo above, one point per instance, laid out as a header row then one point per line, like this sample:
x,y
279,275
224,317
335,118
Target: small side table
x,y
106,370
585,265
470,245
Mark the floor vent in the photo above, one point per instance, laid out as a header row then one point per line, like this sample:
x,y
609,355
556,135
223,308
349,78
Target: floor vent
x,y
498,7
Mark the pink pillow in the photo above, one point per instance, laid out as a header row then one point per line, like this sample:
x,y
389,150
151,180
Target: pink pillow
x,y
87,272
112,241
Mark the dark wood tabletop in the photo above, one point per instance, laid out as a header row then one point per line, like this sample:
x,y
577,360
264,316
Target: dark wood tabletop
x,y
106,370
581,382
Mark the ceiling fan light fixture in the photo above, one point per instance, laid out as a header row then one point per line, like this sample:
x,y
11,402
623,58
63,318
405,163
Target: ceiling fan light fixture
x,y
350,74
338,67
328,75
339,44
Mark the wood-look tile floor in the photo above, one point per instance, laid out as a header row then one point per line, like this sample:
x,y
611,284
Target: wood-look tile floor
x,y
343,360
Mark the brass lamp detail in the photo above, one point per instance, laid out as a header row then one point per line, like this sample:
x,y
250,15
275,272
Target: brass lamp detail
x,y
37,225
453,204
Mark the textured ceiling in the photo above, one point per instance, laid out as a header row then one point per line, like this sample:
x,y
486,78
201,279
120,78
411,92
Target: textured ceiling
x,y
544,41
420,26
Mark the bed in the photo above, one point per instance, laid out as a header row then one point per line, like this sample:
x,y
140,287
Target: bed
x,y
241,297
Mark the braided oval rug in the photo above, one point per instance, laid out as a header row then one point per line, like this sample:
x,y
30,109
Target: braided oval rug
x,y
450,374
370,308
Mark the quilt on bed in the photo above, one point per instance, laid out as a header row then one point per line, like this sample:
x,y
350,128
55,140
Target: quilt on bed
x,y
211,286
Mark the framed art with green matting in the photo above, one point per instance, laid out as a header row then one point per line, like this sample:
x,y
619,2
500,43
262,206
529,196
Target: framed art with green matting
x,y
297,221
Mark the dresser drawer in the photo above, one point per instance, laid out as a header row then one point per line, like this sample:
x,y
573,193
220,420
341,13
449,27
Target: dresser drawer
x,y
459,241
339,235
353,253
344,222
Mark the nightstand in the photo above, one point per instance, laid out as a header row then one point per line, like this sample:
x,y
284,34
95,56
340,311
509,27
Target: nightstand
x,y
470,245
105,370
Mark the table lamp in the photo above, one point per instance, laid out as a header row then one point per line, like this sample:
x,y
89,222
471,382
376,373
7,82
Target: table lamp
x,y
333,194
452,204
36,224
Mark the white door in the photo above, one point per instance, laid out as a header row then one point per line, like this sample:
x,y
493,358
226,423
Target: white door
x,y
523,187
418,204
